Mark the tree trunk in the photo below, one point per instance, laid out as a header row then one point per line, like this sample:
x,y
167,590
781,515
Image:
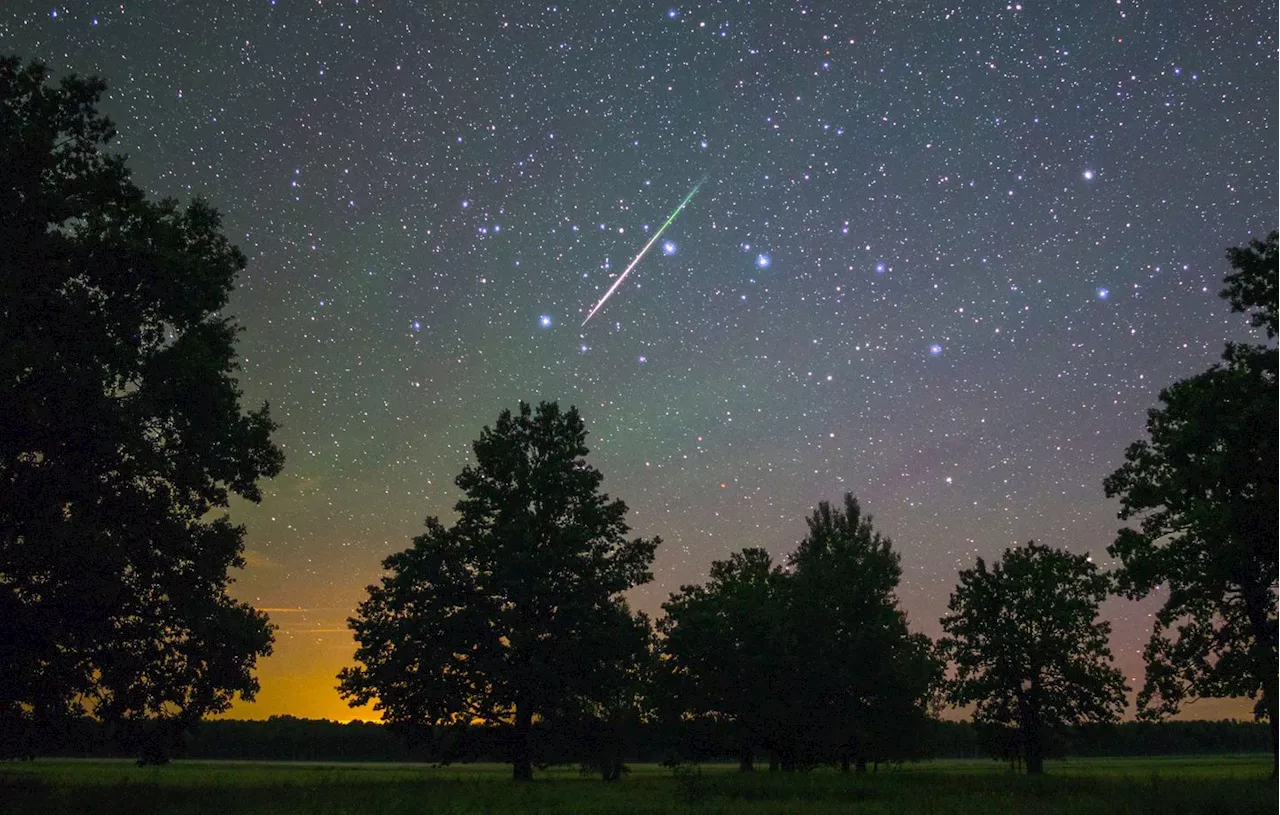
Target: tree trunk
x,y
521,764
746,760
773,761
1256,602
1275,746
1029,719
611,769
1269,708
1035,760
1035,765
860,766
844,764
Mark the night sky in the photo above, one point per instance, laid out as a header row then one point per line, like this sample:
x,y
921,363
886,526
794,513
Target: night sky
x,y
945,257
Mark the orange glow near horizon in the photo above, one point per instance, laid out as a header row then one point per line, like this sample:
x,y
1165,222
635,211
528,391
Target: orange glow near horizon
x,y
303,683
300,679
313,642
305,688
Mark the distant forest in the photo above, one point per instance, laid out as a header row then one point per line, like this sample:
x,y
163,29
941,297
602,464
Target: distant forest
x,y
286,738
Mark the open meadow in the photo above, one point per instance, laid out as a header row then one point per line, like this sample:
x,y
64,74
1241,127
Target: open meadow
x,y
1218,784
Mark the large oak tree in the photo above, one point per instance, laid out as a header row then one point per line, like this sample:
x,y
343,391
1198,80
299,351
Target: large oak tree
x,y
515,611
1203,489
1028,648
122,435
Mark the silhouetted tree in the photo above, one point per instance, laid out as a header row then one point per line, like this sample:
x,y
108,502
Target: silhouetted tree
x,y
122,435
864,677
813,661
1252,289
515,610
722,650
603,724
1204,491
1028,647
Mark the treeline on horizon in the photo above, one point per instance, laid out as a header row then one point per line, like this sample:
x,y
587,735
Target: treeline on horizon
x,y
288,738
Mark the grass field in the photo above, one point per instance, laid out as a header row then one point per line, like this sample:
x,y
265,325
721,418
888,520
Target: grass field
x,y
1218,784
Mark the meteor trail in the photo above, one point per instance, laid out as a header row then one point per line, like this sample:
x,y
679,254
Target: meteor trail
x,y
651,242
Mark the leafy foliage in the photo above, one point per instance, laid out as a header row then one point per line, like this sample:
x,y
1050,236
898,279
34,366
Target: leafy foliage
x,y
123,432
866,679
1028,648
1253,287
813,661
514,611
723,649
1204,491
1205,485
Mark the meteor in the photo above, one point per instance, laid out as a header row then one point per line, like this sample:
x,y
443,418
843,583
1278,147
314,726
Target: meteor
x,y
646,248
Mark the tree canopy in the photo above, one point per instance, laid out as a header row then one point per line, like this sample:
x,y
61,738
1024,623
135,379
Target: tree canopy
x,y
1028,648
721,641
515,610
1203,489
867,677
1252,288
123,433
812,661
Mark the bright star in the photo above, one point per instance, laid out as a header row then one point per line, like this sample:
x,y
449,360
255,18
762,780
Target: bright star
x,y
545,321
1088,175
763,261
1103,294
880,267
934,350
668,248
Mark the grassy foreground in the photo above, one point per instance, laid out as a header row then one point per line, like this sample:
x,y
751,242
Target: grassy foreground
x,y
1215,784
